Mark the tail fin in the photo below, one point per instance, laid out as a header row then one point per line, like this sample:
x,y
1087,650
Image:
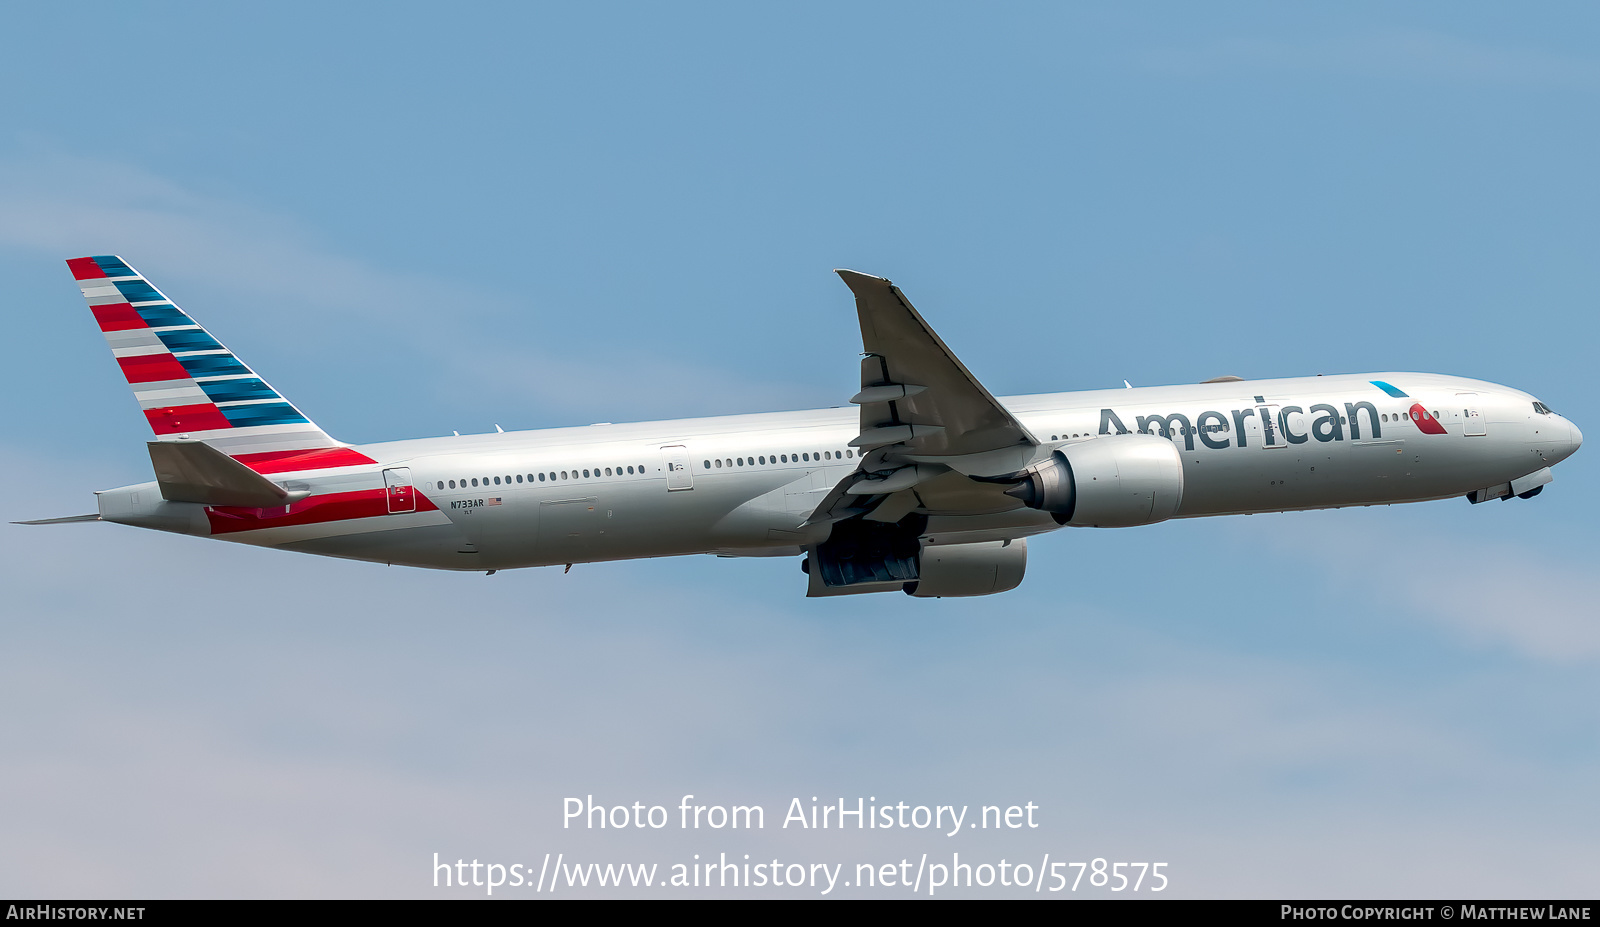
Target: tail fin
x,y
189,386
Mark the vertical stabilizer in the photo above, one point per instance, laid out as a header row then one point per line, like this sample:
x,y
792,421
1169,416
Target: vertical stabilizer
x,y
189,386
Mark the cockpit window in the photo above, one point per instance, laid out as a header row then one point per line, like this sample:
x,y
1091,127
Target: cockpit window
x,y
1543,409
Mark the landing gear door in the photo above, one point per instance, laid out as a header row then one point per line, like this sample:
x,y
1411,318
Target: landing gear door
x,y
676,459
1471,414
402,496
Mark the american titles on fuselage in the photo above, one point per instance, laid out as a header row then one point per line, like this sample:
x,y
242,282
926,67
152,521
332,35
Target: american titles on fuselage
x,y
1278,423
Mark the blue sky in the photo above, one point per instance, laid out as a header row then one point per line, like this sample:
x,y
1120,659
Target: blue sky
x,y
414,221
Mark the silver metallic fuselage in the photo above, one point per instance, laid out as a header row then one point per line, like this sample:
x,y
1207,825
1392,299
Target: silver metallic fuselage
x,y
755,479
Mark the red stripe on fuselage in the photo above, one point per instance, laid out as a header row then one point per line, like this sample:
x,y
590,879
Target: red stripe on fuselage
x,y
1425,421
304,459
174,419
117,317
152,368
336,506
84,268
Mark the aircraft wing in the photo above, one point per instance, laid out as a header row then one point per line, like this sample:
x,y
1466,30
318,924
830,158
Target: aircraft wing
x,y
909,377
923,415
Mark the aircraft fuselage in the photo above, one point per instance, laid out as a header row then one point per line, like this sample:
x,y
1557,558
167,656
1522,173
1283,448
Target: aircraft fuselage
x,y
745,485
929,484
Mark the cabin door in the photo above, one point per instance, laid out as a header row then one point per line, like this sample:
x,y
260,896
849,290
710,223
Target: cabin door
x,y
402,496
676,459
1471,415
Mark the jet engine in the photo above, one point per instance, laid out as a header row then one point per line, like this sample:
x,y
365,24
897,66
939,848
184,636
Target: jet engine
x,y
1116,481
864,556
979,568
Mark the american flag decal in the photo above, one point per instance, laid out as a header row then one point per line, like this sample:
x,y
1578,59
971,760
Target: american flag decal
x,y
493,500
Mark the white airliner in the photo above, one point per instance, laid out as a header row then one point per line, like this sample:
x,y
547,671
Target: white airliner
x,y
932,486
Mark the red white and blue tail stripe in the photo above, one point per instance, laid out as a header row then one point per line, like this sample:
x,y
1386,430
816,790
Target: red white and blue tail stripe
x,y
191,387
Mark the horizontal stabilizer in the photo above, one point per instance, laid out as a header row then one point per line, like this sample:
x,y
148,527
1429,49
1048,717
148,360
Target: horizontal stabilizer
x,y
192,471
69,520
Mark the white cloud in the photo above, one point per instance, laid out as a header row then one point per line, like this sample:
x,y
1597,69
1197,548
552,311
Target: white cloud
x,y
62,206
1490,594
58,206
194,718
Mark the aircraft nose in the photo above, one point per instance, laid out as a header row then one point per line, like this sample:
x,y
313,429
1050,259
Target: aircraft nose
x,y
1566,448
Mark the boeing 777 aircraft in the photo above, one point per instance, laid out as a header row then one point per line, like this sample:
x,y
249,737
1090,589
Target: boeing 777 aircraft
x,y
931,487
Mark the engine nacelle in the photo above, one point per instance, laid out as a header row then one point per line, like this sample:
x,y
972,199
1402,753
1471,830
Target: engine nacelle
x,y
979,568
1116,481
